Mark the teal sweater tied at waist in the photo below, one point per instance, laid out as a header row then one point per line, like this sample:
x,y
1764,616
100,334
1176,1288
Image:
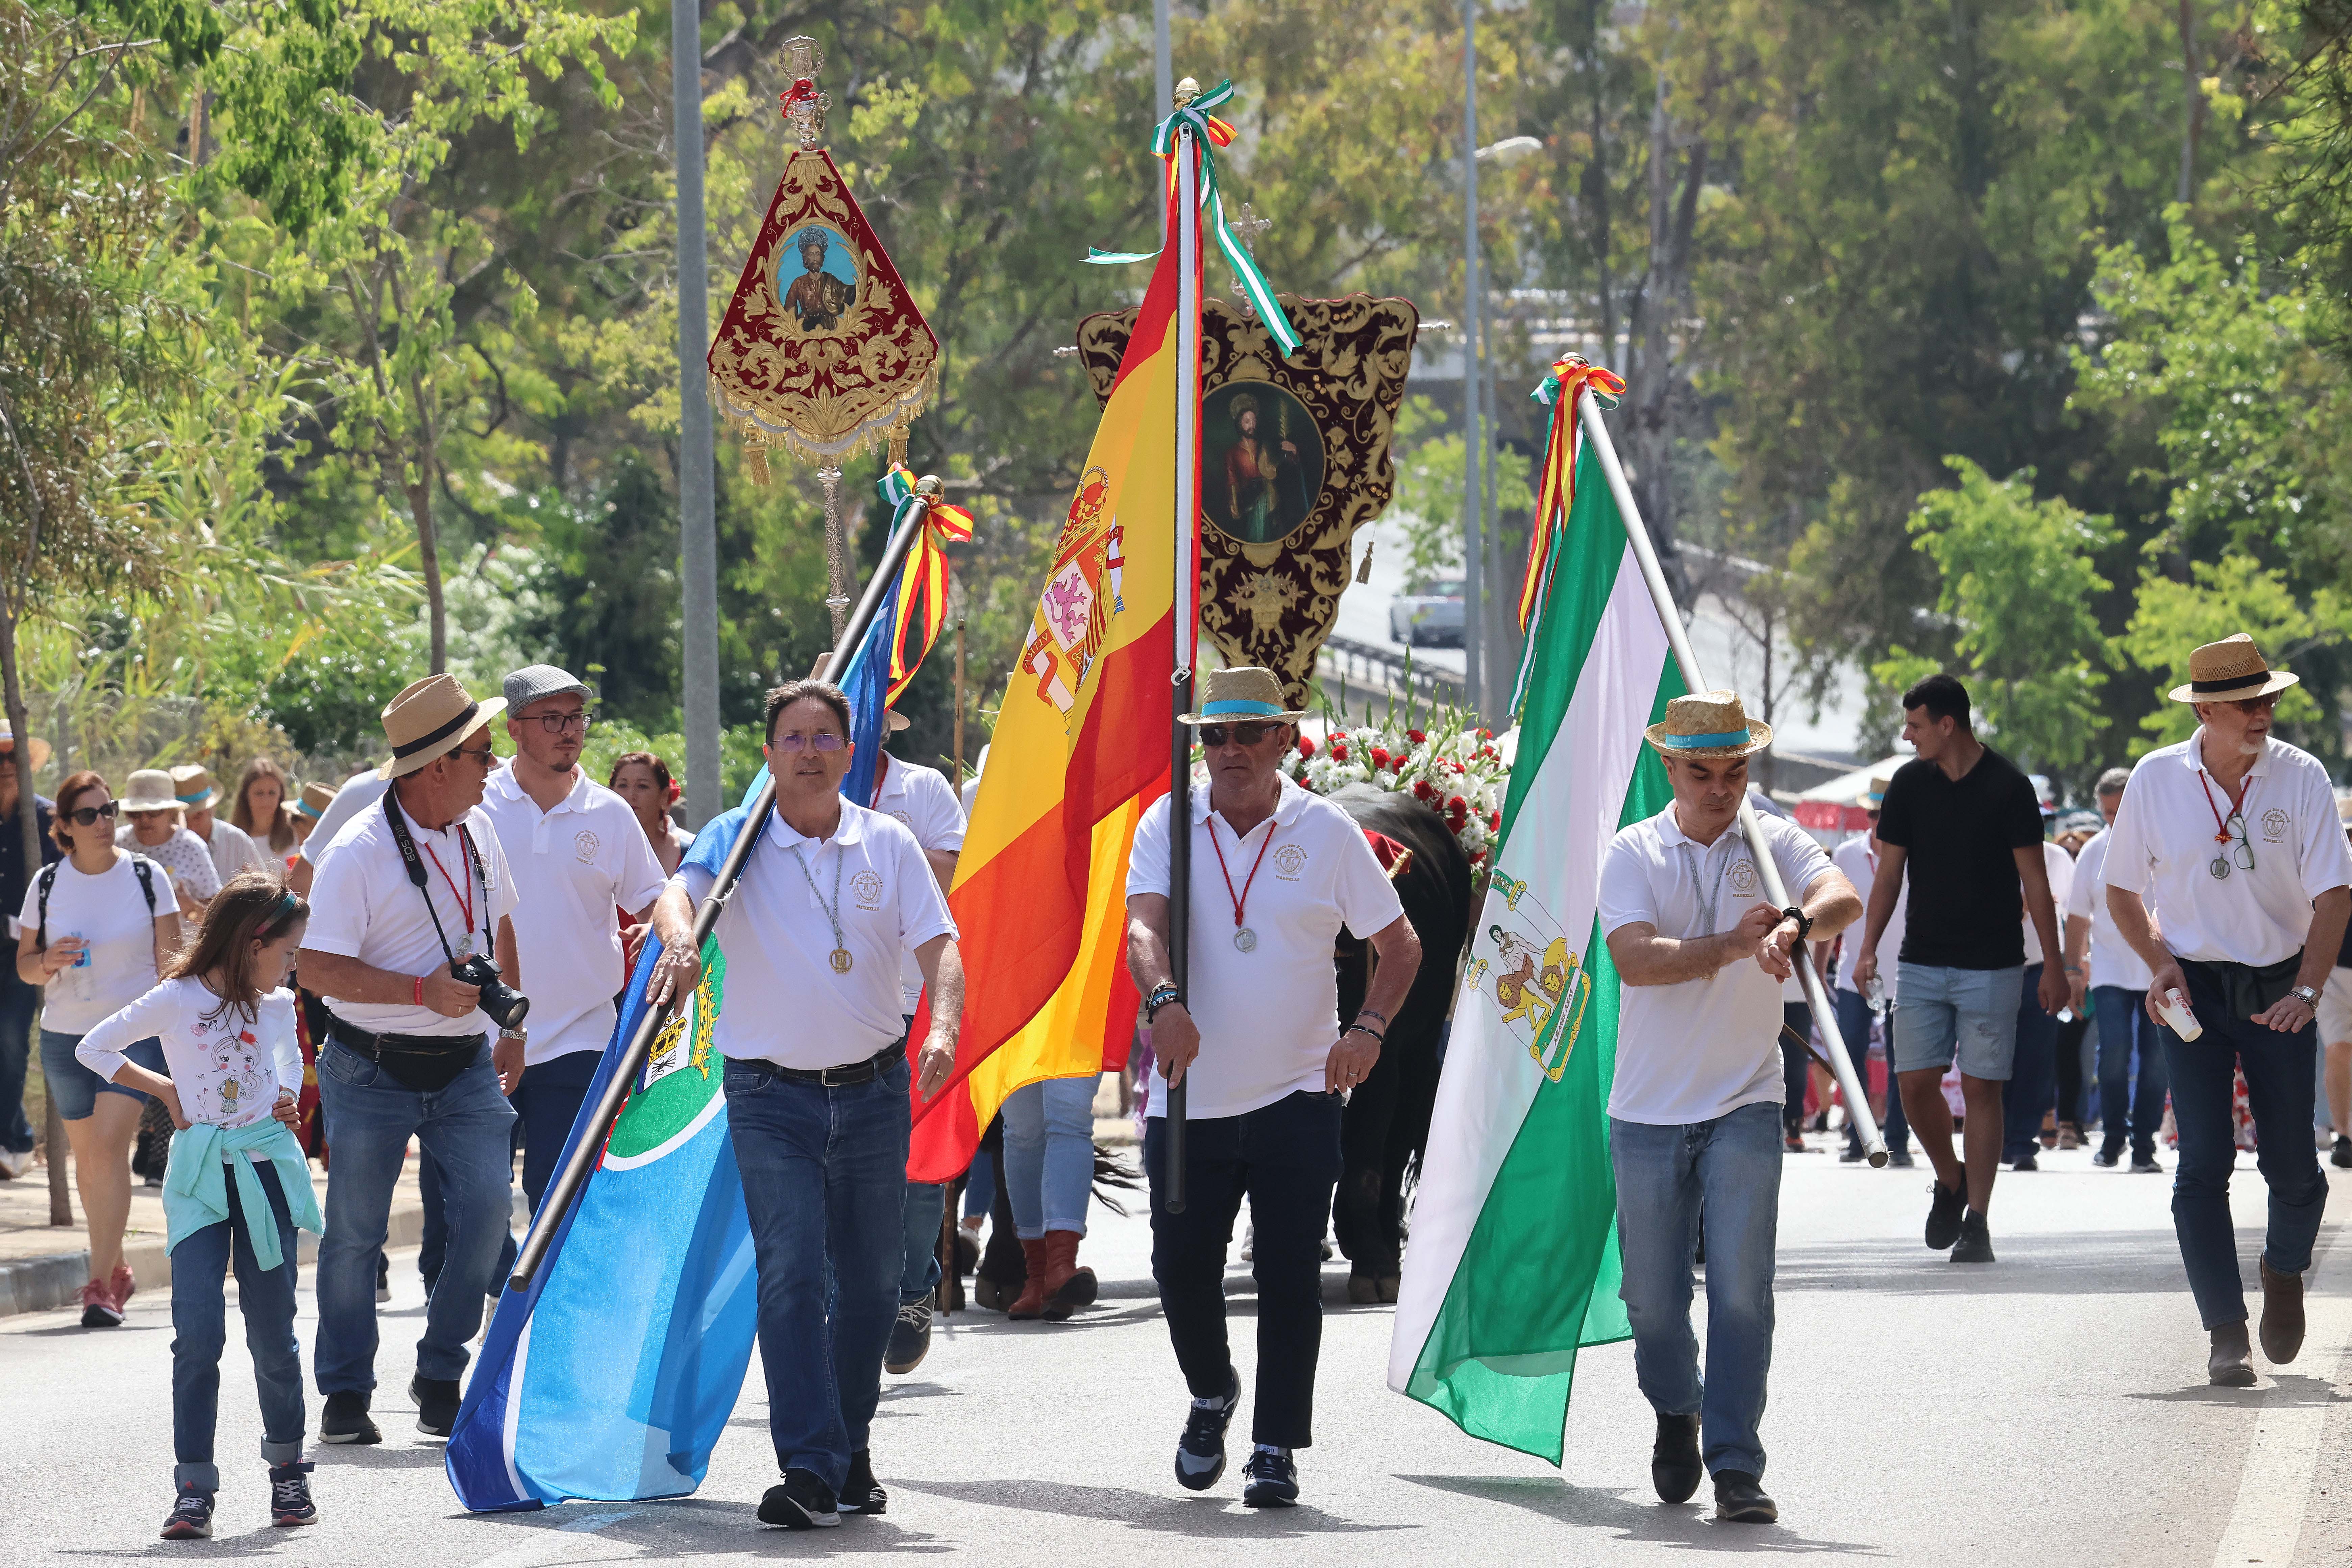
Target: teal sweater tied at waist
x,y
196,1184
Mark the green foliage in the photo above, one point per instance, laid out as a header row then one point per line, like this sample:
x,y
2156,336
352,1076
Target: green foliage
x,y
1429,490
2222,599
2016,588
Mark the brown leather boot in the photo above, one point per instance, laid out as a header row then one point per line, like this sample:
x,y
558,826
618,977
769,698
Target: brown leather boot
x,y
2282,1330
2230,1364
1032,1301
1067,1286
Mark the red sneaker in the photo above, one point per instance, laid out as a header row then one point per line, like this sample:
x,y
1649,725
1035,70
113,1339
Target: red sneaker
x,y
120,1284
98,1309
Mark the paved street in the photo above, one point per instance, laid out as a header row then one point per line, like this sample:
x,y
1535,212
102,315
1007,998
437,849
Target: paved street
x,y
2050,1408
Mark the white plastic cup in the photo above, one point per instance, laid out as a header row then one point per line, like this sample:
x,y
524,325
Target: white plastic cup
x,y
2173,1008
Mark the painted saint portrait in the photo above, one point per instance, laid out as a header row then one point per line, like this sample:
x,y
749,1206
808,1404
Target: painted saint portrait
x,y
817,277
1261,462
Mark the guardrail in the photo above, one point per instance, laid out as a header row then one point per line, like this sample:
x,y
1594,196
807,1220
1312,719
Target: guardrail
x,y
1357,675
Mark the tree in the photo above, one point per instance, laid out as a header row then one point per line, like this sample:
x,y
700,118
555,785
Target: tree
x,y
2222,599
2017,583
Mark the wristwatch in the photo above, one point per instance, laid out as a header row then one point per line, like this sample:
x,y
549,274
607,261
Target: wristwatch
x,y
2306,996
1161,995
506,1033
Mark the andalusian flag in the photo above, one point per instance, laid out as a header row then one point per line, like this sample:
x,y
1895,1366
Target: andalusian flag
x,y
1513,1266
1080,748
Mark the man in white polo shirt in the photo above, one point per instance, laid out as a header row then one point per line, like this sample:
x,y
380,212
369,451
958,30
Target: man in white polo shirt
x,y
579,859
2102,969
1256,1033
1694,1111
1857,860
2230,840
833,896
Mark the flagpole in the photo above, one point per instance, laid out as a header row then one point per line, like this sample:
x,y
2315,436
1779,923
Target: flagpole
x,y
588,1150
1857,1099
1186,219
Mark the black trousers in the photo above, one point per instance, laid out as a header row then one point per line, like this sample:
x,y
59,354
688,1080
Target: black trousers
x,y
1286,1158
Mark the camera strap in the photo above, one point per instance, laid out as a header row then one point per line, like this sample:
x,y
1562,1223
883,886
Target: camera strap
x,y
416,866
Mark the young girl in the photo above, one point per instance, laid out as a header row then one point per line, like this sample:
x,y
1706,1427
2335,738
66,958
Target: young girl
x,y
237,1185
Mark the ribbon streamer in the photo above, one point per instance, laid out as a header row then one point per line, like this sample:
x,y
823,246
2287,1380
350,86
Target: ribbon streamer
x,y
921,605
1209,133
1568,380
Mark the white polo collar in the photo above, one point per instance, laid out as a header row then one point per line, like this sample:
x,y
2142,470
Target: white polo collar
x,y
2194,756
851,829
574,799
1670,831
894,781
1286,806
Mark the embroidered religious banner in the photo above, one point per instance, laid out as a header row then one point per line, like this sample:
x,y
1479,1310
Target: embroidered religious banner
x,y
1294,457
822,349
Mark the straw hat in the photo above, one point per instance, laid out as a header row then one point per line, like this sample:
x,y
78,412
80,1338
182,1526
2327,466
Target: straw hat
x,y
39,748
2231,670
1710,727
1876,796
314,800
892,720
193,783
429,720
151,789
1242,696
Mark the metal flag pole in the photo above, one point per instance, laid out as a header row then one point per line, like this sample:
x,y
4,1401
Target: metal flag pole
x,y
1475,652
1857,1099
588,1150
1187,219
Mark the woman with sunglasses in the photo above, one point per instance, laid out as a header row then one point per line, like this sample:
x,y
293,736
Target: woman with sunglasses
x,y
103,945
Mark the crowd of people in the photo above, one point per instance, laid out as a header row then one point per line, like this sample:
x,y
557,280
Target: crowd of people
x,y
440,944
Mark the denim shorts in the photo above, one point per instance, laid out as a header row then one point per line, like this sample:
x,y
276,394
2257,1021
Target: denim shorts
x,y
1968,1017
75,1087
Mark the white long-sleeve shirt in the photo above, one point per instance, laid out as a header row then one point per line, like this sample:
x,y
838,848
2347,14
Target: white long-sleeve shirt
x,y
228,1069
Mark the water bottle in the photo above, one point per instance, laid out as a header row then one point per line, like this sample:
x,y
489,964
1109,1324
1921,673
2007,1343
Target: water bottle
x,y
1875,992
81,958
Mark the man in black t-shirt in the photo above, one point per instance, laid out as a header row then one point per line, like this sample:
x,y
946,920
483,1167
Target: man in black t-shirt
x,y
1965,826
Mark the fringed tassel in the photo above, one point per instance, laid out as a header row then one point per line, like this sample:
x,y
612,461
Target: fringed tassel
x,y
757,457
1364,572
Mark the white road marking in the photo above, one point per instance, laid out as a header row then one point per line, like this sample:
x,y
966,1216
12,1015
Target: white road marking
x,y
2283,1462
548,1545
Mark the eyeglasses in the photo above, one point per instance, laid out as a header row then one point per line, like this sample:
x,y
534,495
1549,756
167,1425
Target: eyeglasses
x,y
486,758
1242,734
87,815
2250,706
2242,848
793,745
556,723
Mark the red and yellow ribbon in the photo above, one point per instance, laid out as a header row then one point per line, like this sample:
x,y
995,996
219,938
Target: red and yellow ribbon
x,y
921,605
1568,380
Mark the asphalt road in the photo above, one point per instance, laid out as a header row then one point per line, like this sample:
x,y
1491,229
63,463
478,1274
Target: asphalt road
x,y
2050,1407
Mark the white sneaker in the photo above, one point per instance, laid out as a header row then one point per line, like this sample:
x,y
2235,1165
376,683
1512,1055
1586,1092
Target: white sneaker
x,y
14,1164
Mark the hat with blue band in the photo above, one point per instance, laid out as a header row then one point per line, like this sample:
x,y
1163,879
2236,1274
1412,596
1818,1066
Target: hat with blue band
x,y
1243,696
193,786
1709,727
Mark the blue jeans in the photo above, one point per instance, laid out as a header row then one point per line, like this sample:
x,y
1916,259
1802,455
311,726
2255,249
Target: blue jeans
x,y
2279,1090
1049,1155
919,1219
200,1332
1724,1174
1853,1013
2033,1087
76,1087
825,1178
2124,1027
546,1102
17,1001
980,1185
466,1127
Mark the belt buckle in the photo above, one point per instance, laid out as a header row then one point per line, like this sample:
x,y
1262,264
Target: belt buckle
x,y
826,1080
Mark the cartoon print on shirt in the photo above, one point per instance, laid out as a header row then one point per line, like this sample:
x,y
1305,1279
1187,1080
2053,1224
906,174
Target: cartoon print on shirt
x,y
240,1086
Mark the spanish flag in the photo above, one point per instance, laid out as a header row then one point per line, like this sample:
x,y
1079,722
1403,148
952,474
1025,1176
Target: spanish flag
x,y
1080,749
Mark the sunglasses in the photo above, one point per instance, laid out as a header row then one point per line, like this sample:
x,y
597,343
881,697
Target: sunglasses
x,y
1241,734
88,816
486,758
793,745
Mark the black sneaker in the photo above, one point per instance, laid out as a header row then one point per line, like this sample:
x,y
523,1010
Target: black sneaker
x,y
803,1502
191,1518
345,1419
2146,1167
2107,1159
2024,1163
1975,1241
1740,1500
861,1493
1851,1154
382,1279
2340,1156
1675,1467
1944,1214
911,1337
289,1495
1201,1451
1273,1478
1900,1159
437,1403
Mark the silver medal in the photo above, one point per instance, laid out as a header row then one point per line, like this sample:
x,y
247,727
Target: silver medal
x,y
2220,867
1245,939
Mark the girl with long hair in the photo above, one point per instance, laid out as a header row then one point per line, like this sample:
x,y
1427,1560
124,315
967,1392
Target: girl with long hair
x,y
260,809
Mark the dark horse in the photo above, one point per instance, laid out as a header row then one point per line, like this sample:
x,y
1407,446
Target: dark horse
x,y
1387,1120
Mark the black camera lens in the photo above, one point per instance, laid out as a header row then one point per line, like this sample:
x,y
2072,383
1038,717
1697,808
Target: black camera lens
x,y
506,1006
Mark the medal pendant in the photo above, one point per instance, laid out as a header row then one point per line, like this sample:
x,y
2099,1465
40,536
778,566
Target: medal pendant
x,y
1245,939
841,961
2220,867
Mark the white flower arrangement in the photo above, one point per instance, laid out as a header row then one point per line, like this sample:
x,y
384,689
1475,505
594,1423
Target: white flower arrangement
x,y
1451,768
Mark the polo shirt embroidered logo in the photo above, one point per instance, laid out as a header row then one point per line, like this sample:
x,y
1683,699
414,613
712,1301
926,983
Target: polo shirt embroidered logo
x,y
1743,877
868,889
584,844
2274,824
1288,861
903,820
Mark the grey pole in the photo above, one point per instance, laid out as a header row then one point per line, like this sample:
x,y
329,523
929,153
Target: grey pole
x,y
1474,594
697,515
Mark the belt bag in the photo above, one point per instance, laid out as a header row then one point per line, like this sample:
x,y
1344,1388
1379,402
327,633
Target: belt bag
x,y
421,1062
2245,989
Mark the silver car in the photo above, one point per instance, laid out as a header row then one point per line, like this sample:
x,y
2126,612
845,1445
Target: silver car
x,y
1430,613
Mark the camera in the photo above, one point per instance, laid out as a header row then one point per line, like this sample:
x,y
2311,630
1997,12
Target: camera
x,y
504,1004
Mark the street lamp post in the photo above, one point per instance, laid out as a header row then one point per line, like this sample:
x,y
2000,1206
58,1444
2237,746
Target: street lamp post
x,y
1473,585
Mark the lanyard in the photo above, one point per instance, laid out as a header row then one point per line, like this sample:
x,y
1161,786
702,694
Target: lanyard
x,y
1709,904
833,909
464,896
2221,828
1241,902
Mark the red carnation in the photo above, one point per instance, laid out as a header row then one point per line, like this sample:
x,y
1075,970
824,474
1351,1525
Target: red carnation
x,y
1423,790
1379,756
1478,858
1339,750
1494,822
1416,737
1455,806
1306,746
1485,734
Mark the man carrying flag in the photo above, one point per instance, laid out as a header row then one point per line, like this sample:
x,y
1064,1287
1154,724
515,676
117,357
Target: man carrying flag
x,y
1694,1111
816,1083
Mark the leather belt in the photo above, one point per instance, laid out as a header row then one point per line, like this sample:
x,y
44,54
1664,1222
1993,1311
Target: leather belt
x,y
371,1046
866,1071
